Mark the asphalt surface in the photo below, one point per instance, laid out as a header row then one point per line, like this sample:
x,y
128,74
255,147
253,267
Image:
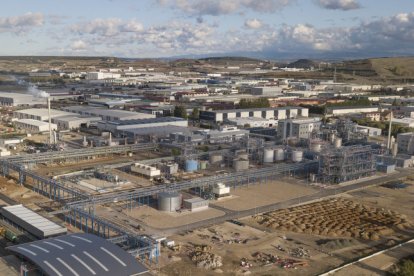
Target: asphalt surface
x,y
323,193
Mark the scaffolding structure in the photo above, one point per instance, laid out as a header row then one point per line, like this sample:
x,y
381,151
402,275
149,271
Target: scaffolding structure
x,y
346,164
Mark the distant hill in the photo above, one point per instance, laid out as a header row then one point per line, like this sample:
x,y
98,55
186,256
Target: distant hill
x,y
381,69
303,63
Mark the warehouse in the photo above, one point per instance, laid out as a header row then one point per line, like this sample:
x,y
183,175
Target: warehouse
x,y
74,122
342,110
19,99
107,114
277,113
31,222
266,91
34,126
40,114
119,126
77,254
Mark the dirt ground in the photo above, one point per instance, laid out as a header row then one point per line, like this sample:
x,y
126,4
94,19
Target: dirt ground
x,y
244,198
157,219
9,265
325,253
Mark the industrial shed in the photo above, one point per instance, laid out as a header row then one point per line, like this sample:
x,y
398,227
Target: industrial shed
x,y
34,125
40,114
120,126
78,255
107,114
19,99
195,204
32,222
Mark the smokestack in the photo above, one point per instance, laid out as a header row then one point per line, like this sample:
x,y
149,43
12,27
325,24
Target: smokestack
x,y
389,134
50,121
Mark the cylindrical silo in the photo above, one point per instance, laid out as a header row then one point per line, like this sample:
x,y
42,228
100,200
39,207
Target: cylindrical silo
x,y
394,150
338,142
191,165
216,158
297,156
169,201
279,154
243,155
268,155
240,165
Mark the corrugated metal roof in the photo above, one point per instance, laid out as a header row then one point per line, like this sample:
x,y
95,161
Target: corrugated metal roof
x,y
79,255
32,222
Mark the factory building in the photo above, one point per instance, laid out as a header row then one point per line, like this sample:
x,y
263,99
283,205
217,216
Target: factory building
x,y
119,126
74,122
266,91
107,114
19,99
298,128
40,114
34,126
253,122
277,113
405,143
102,75
342,110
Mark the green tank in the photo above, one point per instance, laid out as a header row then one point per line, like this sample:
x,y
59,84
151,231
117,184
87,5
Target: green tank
x,y
10,236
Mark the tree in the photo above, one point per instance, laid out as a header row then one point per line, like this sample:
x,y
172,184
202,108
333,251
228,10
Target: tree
x,y
195,114
180,111
406,268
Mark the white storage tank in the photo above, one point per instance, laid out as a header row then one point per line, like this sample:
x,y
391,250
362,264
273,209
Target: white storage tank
x,y
297,156
338,142
243,155
240,165
169,201
279,154
216,158
268,155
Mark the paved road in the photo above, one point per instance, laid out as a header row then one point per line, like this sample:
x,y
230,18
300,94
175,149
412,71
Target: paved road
x,y
324,193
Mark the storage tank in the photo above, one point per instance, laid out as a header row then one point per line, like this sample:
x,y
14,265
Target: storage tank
x,y
203,165
191,165
394,150
240,165
169,201
216,158
297,156
279,154
243,155
338,143
316,147
268,155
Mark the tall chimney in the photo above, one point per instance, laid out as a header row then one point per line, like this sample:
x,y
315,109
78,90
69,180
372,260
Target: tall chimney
x,y
50,121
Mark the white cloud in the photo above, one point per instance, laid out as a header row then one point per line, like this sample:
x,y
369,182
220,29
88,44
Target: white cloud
x,y
108,27
21,23
253,23
78,45
220,7
344,5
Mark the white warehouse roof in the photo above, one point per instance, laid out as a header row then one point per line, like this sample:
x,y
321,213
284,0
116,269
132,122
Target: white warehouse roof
x,y
43,112
32,222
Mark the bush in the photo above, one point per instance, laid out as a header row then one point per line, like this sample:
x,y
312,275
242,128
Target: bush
x,y
406,268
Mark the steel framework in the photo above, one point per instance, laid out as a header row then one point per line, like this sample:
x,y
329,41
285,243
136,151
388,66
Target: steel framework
x,y
346,163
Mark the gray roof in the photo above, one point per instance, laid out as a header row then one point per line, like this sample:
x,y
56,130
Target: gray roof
x,y
158,130
146,121
79,255
255,109
31,221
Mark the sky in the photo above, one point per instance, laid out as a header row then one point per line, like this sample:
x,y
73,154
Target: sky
x,y
169,28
